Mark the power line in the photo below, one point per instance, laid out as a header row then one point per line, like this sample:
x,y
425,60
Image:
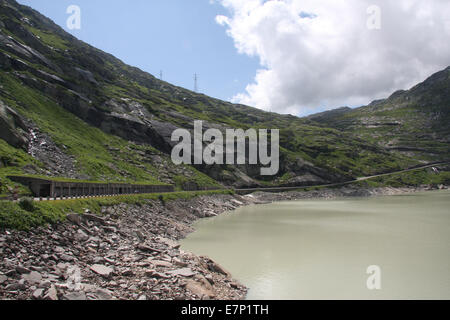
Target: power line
x,y
195,83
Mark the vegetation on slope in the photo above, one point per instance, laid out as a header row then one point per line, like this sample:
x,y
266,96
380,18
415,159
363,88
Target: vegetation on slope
x,y
99,156
27,214
88,101
410,179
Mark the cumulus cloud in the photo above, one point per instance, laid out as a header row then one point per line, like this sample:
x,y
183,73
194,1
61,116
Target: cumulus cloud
x,y
321,54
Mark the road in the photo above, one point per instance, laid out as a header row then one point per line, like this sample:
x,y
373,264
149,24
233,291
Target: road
x,y
279,189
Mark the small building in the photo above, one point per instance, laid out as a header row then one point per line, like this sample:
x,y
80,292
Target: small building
x,y
49,188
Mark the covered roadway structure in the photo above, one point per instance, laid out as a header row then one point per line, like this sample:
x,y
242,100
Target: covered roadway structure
x,y
48,188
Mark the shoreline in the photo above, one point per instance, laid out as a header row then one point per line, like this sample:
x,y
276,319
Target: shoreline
x,y
342,192
132,251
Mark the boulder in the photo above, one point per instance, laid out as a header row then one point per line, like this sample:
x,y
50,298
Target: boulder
x,y
210,214
81,235
103,294
32,277
215,267
38,293
185,272
102,270
3,279
75,218
199,290
52,294
18,286
94,218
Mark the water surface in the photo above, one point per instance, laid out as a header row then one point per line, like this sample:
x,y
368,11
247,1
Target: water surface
x,y
320,249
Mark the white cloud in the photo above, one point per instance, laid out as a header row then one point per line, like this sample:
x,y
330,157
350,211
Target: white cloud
x,y
318,54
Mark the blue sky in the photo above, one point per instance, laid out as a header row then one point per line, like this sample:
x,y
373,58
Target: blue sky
x,y
178,37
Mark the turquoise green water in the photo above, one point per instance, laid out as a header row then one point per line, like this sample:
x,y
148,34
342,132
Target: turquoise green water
x,y
319,249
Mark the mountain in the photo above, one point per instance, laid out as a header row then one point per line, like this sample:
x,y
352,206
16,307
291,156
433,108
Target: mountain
x,y
70,110
328,115
414,122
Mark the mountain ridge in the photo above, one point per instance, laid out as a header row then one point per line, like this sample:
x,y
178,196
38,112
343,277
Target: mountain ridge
x,y
414,121
86,114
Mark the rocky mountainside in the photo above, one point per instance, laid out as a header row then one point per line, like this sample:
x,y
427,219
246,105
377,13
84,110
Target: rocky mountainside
x,y
414,122
68,109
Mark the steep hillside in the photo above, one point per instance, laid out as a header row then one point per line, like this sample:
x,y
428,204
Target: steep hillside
x,y
413,122
68,109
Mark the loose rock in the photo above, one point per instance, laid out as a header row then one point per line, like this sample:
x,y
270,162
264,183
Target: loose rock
x,y
185,272
52,294
130,253
102,270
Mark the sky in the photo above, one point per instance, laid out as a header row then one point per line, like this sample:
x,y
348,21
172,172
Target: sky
x,y
179,37
287,56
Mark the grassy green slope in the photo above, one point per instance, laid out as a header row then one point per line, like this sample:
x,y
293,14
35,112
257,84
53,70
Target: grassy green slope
x,y
341,154
99,156
28,214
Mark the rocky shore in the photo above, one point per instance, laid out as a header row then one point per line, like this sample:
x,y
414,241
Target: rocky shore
x,y
131,252
342,192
